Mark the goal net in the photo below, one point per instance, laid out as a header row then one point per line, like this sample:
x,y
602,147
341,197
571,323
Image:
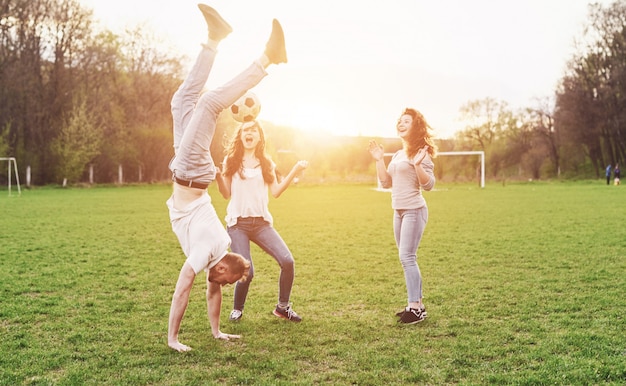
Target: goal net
x,y
12,161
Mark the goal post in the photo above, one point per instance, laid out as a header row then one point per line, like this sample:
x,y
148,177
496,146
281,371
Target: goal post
x,y
450,153
17,176
482,161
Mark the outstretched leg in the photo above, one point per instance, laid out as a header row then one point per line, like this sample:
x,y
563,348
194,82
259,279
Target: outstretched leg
x,y
185,99
195,142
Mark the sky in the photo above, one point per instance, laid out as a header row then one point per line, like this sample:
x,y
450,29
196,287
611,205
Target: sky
x,y
355,65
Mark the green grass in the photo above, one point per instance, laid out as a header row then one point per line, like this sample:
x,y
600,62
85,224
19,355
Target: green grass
x,y
524,284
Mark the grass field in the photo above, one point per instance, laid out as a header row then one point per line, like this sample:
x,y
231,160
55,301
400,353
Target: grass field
x,y
524,284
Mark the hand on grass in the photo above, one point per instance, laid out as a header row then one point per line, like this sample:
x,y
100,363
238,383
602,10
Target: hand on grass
x,y
221,335
179,346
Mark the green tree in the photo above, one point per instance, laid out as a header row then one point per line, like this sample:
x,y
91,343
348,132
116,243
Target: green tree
x,y
76,145
591,99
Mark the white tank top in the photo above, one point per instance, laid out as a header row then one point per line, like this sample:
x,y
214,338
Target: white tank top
x,y
248,197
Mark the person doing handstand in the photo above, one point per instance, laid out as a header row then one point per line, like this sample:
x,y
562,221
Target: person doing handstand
x,y
202,236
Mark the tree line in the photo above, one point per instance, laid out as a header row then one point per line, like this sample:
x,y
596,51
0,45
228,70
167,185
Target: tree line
x,y
75,99
72,96
577,131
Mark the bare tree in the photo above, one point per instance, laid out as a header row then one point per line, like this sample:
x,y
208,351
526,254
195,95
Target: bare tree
x,y
542,120
487,121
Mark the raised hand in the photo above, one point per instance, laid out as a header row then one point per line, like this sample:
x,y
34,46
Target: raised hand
x,y
301,165
419,157
376,150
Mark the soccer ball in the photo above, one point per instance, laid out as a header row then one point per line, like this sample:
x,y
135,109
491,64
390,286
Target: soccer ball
x,y
246,108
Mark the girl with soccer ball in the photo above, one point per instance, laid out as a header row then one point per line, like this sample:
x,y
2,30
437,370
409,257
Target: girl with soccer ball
x,y
247,177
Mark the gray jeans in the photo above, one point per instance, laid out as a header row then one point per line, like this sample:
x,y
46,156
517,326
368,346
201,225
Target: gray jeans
x,y
408,227
195,115
260,232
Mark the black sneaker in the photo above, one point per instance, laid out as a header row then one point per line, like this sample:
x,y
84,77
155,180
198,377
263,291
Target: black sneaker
x,y
287,313
423,309
411,316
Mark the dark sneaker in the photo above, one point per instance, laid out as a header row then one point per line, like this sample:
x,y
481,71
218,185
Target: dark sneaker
x,y
423,309
235,315
275,47
218,27
411,316
287,313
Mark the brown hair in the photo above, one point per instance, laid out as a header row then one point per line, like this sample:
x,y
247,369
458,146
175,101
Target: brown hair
x,y
419,136
234,155
237,264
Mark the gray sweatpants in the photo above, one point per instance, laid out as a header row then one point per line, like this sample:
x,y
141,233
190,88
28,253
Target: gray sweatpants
x,y
195,115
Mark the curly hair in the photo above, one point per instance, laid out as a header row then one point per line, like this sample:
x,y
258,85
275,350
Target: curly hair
x,y
234,155
419,136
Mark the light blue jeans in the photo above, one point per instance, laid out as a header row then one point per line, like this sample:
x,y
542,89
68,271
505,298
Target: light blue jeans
x,y
195,114
408,228
260,232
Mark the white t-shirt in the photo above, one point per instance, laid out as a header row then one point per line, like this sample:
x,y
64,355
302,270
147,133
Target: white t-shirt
x,y
200,233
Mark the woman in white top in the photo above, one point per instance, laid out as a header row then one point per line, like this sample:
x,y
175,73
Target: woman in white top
x,y
247,176
409,172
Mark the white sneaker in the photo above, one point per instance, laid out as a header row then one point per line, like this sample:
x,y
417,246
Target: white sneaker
x,y
235,315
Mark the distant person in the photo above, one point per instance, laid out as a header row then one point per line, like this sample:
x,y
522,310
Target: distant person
x,y
617,174
201,234
608,174
248,174
409,172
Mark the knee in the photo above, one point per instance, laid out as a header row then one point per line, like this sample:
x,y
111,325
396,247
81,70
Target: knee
x,y
287,263
408,260
208,102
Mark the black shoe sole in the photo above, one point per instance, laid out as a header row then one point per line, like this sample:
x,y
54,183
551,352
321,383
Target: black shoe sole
x,y
409,323
284,317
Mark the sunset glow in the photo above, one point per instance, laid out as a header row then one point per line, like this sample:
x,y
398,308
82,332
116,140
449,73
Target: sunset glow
x,y
352,69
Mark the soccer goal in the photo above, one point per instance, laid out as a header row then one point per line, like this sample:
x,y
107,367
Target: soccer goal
x,y
17,177
449,153
482,161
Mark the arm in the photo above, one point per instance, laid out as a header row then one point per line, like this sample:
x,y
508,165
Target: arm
x,y
378,154
424,167
278,188
223,184
214,305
